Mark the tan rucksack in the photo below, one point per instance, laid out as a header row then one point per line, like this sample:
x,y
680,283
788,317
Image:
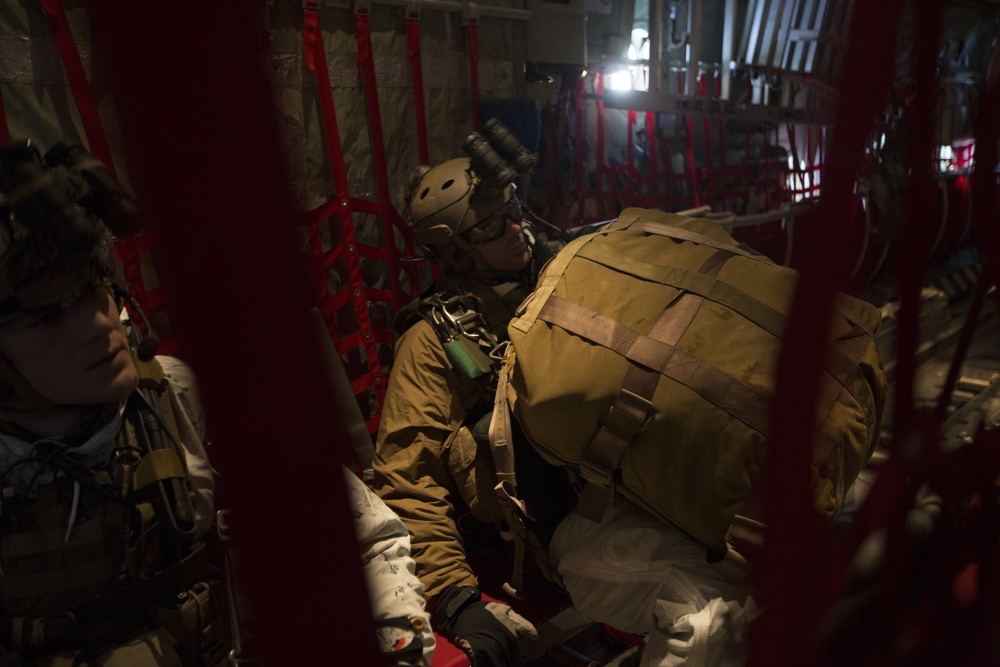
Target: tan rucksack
x,y
645,361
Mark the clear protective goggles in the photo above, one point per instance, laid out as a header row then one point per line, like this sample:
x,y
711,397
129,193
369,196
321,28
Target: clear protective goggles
x,y
495,226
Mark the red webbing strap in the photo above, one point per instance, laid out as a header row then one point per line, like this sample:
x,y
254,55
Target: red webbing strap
x,y
472,23
915,454
214,160
413,52
78,83
313,39
795,531
391,219
310,29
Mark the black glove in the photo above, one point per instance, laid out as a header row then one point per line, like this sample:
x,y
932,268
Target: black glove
x,y
481,430
486,631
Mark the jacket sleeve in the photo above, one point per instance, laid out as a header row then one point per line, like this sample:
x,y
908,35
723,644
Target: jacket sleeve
x,y
393,588
418,447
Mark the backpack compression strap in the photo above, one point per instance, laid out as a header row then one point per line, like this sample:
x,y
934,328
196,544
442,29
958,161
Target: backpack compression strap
x,y
514,509
601,462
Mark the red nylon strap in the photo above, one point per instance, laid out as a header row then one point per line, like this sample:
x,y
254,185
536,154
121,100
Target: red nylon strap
x,y
474,74
791,559
355,291
390,217
310,28
413,51
78,83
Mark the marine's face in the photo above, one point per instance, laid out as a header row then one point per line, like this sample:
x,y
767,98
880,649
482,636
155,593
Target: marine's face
x,y
507,252
78,356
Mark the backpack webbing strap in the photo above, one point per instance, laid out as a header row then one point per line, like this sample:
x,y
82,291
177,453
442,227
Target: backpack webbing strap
x,y
840,364
739,400
699,283
601,461
745,537
499,433
514,509
551,277
663,229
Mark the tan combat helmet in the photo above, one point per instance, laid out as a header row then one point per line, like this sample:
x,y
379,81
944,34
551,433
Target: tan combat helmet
x,y
446,201
449,199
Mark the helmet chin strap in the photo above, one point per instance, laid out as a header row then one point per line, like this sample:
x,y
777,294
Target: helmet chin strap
x,y
470,251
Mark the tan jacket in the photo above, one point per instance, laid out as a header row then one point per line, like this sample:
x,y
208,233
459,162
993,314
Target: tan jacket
x,y
426,461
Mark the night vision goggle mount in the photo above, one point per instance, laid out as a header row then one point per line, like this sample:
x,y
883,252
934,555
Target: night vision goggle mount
x,y
58,213
42,188
496,155
498,158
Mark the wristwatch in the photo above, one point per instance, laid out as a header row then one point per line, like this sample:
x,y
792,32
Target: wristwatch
x,y
399,639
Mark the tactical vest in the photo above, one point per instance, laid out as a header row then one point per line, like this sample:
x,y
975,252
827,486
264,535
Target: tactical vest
x,y
93,553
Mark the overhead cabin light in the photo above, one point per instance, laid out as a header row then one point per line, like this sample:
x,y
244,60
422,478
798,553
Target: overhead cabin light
x,y
620,80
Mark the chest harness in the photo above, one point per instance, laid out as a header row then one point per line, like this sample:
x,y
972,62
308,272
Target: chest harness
x,y
99,548
470,345
476,352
